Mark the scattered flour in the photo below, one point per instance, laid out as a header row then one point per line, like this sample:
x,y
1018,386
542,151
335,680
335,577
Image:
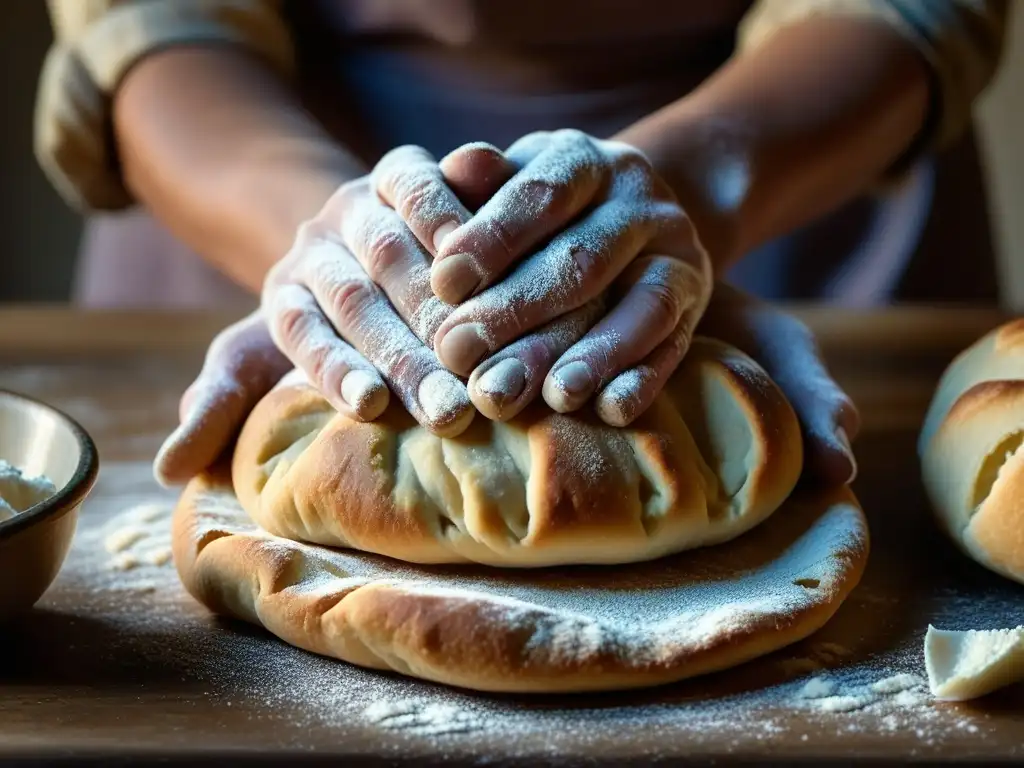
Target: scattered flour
x,y
896,684
18,492
843,703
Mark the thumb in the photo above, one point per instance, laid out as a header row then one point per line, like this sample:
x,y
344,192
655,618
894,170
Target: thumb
x,y
241,366
475,172
788,352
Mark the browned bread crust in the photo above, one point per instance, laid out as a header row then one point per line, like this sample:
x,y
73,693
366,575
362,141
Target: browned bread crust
x,y
551,630
970,446
715,455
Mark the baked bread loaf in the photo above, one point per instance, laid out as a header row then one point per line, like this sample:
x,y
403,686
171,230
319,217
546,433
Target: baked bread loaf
x,y
970,449
552,630
716,454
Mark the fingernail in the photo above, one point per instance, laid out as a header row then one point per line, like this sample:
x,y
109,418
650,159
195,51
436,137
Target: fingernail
x,y
444,402
358,389
463,347
504,382
454,278
844,443
442,232
570,384
574,378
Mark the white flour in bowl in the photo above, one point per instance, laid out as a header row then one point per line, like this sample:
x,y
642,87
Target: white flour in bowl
x,y
18,492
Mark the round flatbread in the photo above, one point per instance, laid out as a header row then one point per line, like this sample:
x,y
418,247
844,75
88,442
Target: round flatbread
x,y
543,630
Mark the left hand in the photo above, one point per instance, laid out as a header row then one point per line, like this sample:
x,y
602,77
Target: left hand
x,y
788,352
582,222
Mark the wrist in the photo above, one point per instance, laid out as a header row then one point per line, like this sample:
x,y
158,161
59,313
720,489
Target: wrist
x,y
707,162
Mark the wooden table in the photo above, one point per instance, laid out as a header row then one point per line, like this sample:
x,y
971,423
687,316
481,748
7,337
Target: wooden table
x,y
122,663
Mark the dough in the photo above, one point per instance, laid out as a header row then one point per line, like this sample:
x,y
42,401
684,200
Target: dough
x,y
715,455
967,665
18,493
553,630
971,455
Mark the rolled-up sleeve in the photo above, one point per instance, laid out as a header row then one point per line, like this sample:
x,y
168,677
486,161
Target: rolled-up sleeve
x,y
96,42
962,41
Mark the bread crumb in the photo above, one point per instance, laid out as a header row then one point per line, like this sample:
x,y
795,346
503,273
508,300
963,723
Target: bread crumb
x,y
125,561
158,557
817,688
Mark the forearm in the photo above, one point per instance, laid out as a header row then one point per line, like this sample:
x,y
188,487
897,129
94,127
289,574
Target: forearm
x,y
788,132
222,152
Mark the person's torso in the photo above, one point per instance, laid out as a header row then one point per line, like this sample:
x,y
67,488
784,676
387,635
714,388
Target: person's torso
x,y
439,74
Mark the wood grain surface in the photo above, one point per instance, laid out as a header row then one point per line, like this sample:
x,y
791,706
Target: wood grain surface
x,y
122,664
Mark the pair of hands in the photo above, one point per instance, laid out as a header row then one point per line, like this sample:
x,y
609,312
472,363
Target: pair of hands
x,y
562,268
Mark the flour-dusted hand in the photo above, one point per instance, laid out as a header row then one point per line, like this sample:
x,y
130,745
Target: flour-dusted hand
x,y
582,273
788,351
242,364
351,304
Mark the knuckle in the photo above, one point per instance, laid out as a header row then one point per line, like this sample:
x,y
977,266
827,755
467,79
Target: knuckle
x,y
420,200
382,250
290,326
664,304
549,197
315,363
350,299
571,137
501,236
404,365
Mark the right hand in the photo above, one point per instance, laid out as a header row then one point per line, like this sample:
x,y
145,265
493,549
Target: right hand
x,y
382,225
351,304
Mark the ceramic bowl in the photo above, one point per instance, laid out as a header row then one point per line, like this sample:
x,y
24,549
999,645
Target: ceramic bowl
x,y
41,440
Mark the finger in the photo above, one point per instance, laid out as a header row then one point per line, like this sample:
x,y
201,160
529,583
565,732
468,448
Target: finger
x,y
786,349
540,200
393,258
631,393
475,172
339,372
659,290
577,266
504,384
241,366
362,315
409,180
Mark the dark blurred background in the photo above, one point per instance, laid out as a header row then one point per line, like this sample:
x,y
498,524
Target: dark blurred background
x,y
39,234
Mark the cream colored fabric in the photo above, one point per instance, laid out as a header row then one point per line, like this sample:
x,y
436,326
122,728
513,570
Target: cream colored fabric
x,y
972,450
98,41
716,454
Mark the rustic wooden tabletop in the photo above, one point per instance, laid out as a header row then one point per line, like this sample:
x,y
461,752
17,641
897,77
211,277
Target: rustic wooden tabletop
x,y
117,662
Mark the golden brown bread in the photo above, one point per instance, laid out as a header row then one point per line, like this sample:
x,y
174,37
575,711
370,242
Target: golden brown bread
x,y
552,630
716,454
970,447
